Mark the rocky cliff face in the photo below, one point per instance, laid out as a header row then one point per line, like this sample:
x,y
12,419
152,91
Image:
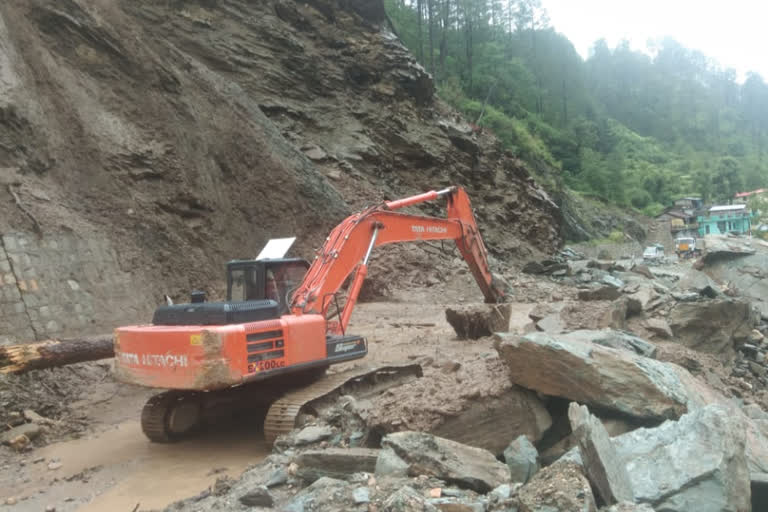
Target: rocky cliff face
x,y
179,135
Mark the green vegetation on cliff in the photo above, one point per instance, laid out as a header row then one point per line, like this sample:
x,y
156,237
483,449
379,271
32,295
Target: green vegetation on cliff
x,y
631,129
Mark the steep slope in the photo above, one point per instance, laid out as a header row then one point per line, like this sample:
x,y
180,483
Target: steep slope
x,y
144,143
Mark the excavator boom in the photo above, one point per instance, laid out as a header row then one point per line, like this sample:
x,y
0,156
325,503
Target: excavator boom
x,y
348,248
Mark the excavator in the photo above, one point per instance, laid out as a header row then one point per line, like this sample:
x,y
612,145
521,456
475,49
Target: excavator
x,y
269,344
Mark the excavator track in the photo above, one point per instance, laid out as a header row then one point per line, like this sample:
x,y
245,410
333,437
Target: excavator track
x,y
283,413
158,417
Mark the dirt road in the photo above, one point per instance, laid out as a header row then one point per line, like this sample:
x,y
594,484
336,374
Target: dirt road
x,y
113,466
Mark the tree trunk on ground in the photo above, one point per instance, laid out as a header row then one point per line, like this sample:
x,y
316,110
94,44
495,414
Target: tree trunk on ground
x,y
53,353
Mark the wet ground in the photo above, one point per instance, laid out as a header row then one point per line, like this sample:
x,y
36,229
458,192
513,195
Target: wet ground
x,y
114,467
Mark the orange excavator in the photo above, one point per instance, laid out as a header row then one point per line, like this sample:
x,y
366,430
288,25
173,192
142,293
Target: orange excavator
x,y
281,327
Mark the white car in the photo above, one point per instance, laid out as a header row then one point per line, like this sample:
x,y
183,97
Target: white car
x,y
653,252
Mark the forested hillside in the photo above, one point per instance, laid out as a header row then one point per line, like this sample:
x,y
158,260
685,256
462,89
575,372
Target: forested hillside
x,y
626,127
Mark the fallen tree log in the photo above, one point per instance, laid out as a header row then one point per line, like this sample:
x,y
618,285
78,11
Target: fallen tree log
x,y
53,353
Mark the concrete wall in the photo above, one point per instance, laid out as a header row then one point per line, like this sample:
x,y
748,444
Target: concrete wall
x,y
60,286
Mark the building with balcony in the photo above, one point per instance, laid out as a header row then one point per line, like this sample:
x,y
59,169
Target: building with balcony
x,y
731,218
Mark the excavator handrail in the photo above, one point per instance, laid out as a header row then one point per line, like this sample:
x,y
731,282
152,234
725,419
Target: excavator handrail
x,y
350,243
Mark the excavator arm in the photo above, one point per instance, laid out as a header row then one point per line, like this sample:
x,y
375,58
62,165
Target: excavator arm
x,y
349,246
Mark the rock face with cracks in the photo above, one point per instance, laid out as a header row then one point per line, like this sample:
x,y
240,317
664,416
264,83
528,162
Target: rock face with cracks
x,y
455,463
476,405
713,326
696,463
591,374
604,469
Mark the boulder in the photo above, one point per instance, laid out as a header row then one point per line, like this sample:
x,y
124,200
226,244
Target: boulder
x,y
406,499
478,320
488,422
561,486
522,459
599,293
602,465
29,430
696,463
325,494
713,326
613,339
598,376
258,497
643,270
455,463
641,300
335,463
659,327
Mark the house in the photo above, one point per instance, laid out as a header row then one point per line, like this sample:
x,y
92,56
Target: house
x,y
743,197
688,203
730,218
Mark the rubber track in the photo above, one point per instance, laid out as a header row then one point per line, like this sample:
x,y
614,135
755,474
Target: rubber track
x,y
282,414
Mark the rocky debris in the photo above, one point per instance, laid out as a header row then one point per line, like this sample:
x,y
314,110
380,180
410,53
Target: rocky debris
x,y
258,497
312,434
324,494
745,275
570,254
602,465
642,298
30,431
599,293
522,459
626,506
659,327
457,464
560,486
406,499
476,405
642,270
478,320
720,247
716,326
546,267
696,463
337,463
613,339
591,374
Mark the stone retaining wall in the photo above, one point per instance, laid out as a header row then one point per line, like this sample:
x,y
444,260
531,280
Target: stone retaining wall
x,y
60,285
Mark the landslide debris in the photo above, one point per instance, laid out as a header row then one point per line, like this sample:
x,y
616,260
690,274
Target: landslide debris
x,y
188,133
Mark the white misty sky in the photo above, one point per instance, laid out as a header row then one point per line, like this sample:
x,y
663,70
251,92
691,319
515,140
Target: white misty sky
x,y
732,32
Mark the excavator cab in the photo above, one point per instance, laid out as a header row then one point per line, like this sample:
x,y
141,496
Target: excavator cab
x,y
273,279
256,290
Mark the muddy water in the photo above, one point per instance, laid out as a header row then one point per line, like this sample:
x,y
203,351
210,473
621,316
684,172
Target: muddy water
x,y
121,469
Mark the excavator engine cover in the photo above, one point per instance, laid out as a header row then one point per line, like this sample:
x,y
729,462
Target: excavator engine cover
x,y
217,313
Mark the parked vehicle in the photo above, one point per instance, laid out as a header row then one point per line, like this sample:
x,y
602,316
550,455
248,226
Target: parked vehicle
x,y
654,253
686,247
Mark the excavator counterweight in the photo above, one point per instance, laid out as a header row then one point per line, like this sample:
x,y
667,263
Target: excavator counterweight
x,y
277,324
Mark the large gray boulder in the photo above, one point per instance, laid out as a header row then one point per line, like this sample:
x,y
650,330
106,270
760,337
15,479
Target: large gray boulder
x,y
713,326
522,459
746,274
613,339
591,374
696,463
335,463
602,465
457,464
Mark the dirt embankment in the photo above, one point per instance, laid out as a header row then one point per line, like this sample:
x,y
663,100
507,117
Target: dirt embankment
x,y
186,134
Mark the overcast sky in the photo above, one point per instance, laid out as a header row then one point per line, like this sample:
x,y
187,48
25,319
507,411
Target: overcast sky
x,y
733,32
